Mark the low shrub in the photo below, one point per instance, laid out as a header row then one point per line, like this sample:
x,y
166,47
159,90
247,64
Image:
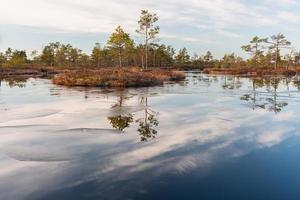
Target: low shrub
x,y
252,71
117,77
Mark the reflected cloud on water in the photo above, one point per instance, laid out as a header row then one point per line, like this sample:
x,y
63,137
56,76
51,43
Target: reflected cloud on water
x,y
118,144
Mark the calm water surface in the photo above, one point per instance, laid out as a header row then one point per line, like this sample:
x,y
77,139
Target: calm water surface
x,y
209,137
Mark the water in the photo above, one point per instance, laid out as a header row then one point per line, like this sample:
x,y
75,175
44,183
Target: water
x,y
209,137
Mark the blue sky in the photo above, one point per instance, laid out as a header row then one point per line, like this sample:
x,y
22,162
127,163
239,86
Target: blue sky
x,y
220,26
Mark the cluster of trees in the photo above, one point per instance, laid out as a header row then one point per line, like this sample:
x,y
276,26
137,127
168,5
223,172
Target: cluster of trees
x,y
267,52
13,57
121,50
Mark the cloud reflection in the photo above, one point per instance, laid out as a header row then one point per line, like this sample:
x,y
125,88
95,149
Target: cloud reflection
x,y
197,131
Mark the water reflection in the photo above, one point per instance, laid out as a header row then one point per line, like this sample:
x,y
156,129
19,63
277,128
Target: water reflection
x,y
231,82
195,136
296,82
148,123
120,121
267,99
123,117
15,82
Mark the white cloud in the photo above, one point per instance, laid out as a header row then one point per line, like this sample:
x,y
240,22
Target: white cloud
x,y
228,34
289,17
196,24
103,16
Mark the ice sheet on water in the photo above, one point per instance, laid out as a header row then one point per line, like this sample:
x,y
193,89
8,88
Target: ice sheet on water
x,y
27,114
32,154
90,131
55,145
30,126
29,129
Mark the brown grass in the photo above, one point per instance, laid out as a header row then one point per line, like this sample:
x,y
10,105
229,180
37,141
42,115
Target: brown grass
x,y
252,71
117,77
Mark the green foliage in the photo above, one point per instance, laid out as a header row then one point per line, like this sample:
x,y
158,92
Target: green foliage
x,y
118,42
14,58
146,24
182,57
208,57
97,55
230,60
148,29
2,59
57,54
49,53
277,43
161,55
255,48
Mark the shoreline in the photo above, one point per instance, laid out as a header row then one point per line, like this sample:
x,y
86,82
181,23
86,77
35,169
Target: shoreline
x,y
115,77
259,72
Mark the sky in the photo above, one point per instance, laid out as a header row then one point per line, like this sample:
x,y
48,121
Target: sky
x,y
221,26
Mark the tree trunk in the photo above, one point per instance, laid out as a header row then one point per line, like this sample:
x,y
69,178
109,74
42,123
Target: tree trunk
x,y
276,58
275,99
254,95
146,56
256,53
146,112
120,58
143,62
154,59
146,50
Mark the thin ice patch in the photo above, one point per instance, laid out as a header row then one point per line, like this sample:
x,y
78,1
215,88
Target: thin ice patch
x,y
91,131
38,155
33,114
29,126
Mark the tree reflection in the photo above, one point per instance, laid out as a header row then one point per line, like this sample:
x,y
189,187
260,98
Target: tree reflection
x,y
16,82
266,100
120,121
231,83
288,81
296,82
147,125
275,105
253,97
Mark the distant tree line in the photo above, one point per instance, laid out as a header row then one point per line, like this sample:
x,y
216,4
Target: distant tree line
x,y
121,50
